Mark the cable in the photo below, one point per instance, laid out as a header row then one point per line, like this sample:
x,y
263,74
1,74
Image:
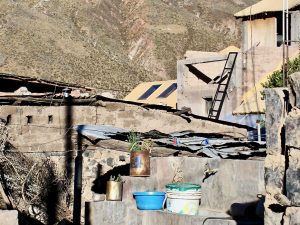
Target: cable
x,y
53,151
53,94
30,146
216,218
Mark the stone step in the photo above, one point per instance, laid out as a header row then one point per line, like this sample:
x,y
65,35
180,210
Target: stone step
x,y
9,217
117,213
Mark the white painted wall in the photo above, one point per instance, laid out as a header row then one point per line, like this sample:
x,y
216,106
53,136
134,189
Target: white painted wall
x,y
295,25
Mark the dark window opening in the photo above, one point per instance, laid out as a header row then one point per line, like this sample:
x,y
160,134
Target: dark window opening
x,y
168,91
280,31
208,104
149,92
8,120
29,119
50,119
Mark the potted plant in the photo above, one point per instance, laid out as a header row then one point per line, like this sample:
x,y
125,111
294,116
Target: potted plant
x,y
139,155
114,188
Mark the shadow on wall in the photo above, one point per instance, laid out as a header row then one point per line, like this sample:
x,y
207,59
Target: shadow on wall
x,y
99,184
249,212
52,199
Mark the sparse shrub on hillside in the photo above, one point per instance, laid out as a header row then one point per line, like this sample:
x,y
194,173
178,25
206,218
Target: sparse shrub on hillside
x,y
88,42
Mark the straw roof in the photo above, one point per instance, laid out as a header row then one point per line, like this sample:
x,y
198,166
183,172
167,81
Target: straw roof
x,y
265,6
253,105
228,49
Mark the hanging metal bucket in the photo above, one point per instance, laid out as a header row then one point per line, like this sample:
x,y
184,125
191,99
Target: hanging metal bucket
x,y
114,190
140,164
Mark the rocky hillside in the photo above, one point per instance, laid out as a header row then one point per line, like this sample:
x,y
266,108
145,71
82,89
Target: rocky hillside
x,y
111,44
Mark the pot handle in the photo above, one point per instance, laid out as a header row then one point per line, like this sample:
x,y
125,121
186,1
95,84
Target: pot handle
x,y
164,202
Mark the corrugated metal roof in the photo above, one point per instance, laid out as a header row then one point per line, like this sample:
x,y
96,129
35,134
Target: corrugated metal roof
x,y
265,6
102,132
42,81
198,144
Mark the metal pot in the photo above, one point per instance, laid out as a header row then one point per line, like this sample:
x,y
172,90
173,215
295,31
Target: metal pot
x,y
114,190
140,163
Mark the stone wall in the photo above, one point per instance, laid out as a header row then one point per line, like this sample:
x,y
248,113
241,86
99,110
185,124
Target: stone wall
x,y
282,174
44,127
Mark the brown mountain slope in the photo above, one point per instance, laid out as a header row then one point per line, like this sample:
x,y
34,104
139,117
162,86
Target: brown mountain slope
x,y
110,44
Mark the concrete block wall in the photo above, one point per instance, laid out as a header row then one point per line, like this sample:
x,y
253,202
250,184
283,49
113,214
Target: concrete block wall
x,y
192,91
282,174
229,185
50,134
237,181
101,213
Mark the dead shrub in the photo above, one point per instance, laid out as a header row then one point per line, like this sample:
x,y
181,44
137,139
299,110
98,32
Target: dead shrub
x,y
32,182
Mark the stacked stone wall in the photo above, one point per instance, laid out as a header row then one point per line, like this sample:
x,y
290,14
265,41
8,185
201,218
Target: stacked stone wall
x,y
282,164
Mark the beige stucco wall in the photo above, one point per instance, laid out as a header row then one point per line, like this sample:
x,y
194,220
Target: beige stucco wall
x,y
188,92
261,32
252,68
192,91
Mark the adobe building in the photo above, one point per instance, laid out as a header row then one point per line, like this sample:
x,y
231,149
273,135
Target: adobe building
x,y
198,75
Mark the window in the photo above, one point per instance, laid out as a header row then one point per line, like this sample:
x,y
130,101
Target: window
x,y
280,30
29,119
8,119
208,104
168,91
149,91
50,119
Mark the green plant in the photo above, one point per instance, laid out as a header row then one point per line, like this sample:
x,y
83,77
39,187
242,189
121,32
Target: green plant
x,y
116,178
136,144
276,78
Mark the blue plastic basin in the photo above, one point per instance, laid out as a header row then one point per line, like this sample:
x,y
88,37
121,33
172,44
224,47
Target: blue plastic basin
x,y
149,200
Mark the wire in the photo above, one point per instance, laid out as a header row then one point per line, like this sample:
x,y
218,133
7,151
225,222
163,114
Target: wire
x,y
45,143
53,151
42,152
53,94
